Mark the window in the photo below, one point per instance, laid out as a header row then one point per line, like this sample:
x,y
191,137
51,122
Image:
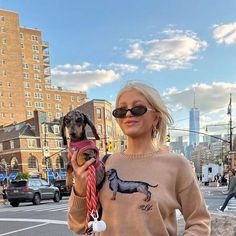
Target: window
x,y
8,84
48,96
9,94
3,62
99,113
32,162
25,75
2,51
107,114
60,164
29,113
57,97
39,104
1,147
36,67
58,115
72,98
58,106
49,105
22,45
36,76
56,129
2,18
99,129
28,104
34,37
4,73
38,95
26,84
31,143
3,30
35,47
4,41
21,35
27,94
12,144
10,104
25,66
0,83
58,143
36,57
38,86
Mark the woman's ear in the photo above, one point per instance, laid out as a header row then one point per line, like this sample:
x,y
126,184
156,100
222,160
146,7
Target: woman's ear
x,y
157,120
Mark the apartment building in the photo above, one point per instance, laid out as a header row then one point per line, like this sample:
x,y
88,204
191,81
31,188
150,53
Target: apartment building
x,y
25,83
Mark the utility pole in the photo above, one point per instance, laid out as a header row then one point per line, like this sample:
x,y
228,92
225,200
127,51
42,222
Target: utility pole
x,y
230,123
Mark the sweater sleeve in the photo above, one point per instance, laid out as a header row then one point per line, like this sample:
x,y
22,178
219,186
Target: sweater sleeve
x,y
193,207
76,213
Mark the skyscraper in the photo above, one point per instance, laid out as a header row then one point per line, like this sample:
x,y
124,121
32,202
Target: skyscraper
x,y
194,121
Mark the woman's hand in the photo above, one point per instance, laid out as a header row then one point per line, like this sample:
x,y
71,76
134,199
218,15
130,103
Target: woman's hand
x,y
80,174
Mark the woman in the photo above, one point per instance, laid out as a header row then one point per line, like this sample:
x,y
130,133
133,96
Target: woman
x,y
144,185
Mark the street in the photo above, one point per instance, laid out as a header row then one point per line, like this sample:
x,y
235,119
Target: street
x,y
49,218
46,219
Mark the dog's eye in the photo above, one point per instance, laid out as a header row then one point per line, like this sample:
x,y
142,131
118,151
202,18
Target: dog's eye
x,y
79,120
67,121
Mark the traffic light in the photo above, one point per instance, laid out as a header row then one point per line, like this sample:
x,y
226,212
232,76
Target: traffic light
x,y
109,146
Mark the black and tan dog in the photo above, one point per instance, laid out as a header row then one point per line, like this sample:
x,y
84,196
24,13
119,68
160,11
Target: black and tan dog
x,y
74,136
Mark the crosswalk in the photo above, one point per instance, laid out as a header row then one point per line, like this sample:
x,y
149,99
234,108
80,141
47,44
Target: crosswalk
x,y
231,205
43,207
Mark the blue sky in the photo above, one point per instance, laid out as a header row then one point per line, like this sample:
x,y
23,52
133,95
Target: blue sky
x,y
176,46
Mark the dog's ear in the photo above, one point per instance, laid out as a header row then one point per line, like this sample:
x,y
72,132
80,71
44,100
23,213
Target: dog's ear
x,y
90,123
63,131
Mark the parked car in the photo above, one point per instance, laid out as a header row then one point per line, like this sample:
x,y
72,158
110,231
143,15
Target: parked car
x,y
64,190
31,190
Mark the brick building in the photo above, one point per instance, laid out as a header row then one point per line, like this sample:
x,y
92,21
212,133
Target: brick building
x,y
25,83
33,146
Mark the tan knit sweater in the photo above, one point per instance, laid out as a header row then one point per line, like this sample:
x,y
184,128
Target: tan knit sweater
x,y
140,207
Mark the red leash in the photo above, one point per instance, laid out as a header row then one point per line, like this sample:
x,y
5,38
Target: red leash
x,y
91,192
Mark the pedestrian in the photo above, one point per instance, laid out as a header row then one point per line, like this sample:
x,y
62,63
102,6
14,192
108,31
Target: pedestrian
x,y
144,185
3,196
232,189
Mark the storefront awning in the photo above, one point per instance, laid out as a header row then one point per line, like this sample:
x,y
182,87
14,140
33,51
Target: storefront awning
x,y
2,177
61,174
50,174
12,175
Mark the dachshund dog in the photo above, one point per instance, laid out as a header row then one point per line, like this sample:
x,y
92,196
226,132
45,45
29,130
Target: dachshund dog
x,y
118,185
73,133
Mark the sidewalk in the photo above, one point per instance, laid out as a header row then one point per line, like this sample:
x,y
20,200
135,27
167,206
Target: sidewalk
x,y
222,224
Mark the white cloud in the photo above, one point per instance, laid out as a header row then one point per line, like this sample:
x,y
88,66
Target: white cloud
x,y
225,33
135,51
212,101
123,67
174,51
209,98
74,77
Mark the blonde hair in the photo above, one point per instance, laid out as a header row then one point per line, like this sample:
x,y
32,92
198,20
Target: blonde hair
x,y
154,99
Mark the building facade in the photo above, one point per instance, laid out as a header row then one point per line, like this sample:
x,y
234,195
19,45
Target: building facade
x,y
33,146
25,83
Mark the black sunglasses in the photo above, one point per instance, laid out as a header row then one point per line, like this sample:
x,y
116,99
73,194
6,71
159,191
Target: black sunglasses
x,y
139,110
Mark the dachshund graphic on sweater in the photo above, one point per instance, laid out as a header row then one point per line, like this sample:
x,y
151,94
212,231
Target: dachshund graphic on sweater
x,y
118,185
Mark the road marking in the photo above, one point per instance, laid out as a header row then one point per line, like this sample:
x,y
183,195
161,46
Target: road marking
x,y
59,222
23,229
